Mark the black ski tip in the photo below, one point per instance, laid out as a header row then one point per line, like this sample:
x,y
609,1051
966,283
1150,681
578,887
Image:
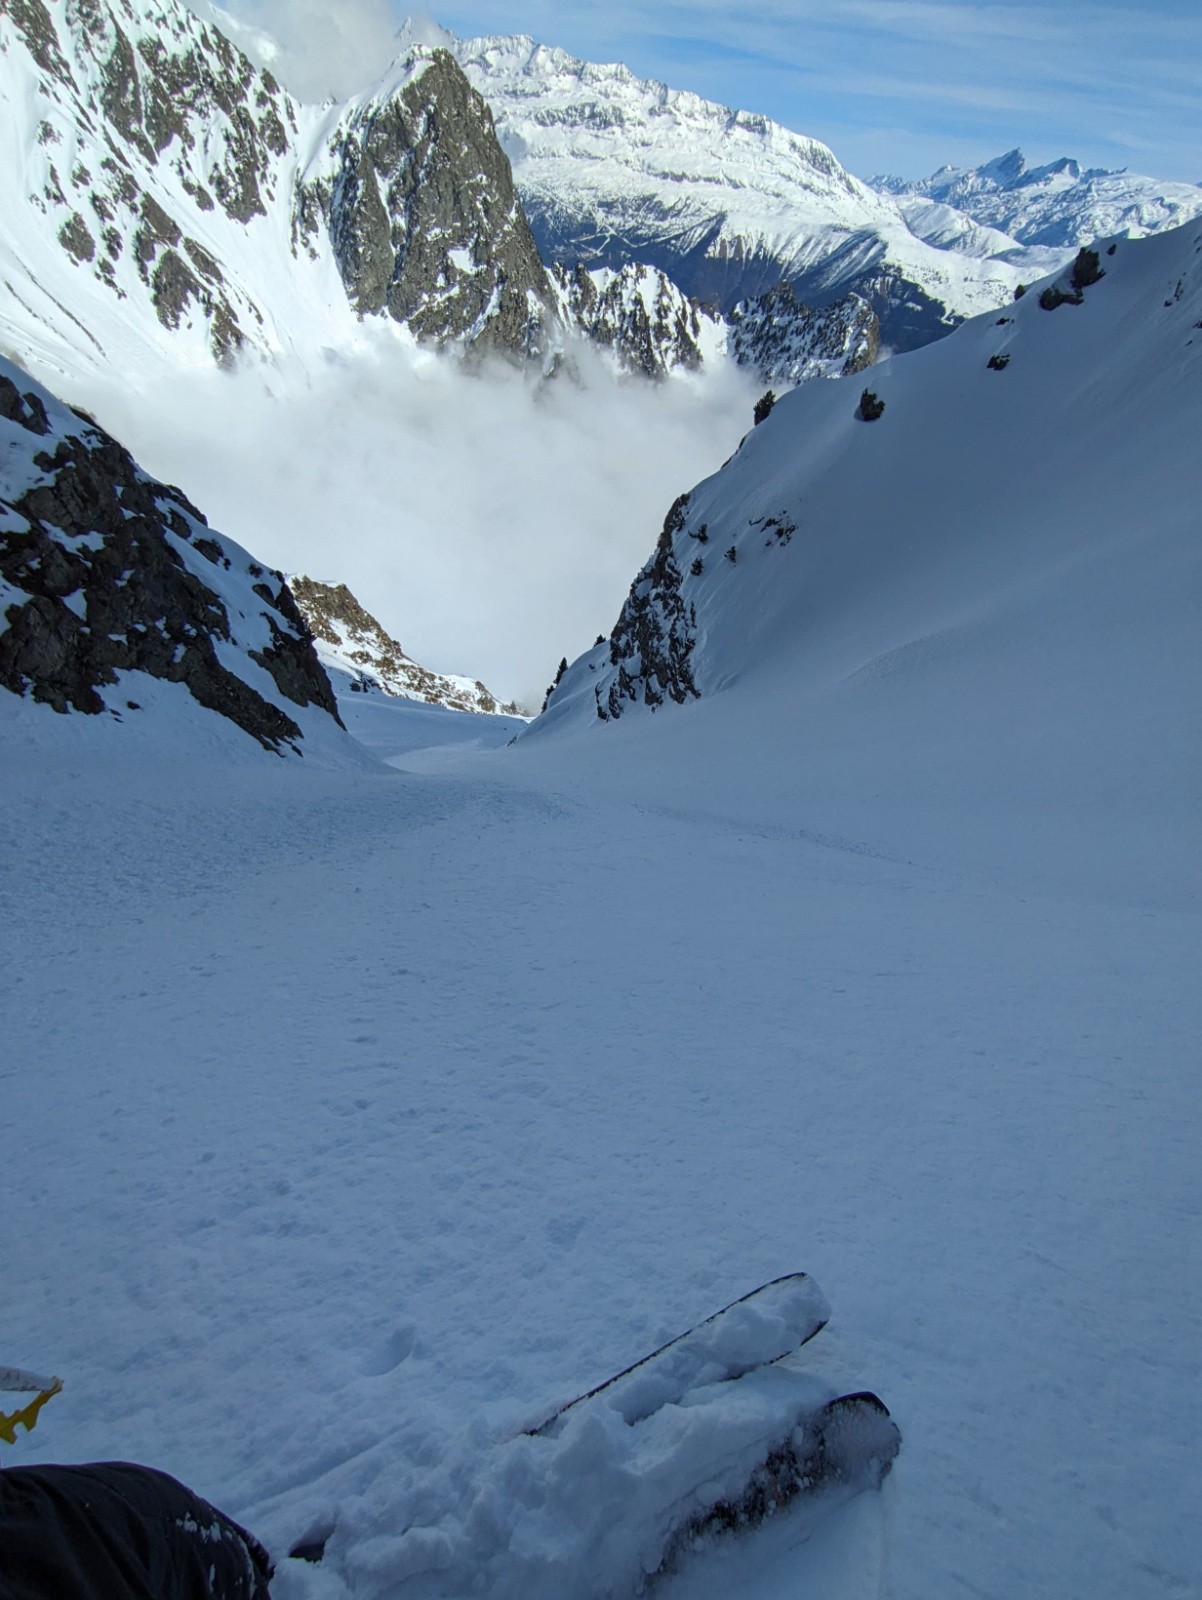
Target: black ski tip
x,y
856,1437
312,1550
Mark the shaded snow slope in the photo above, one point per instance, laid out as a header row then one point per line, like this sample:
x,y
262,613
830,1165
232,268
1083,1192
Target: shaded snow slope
x,y
983,602
1056,205
112,583
474,1082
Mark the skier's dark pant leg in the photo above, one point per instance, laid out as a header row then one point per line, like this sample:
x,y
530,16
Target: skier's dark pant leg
x,y
118,1532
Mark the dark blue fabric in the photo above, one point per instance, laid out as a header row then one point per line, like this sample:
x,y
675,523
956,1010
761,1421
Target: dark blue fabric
x,y
113,1531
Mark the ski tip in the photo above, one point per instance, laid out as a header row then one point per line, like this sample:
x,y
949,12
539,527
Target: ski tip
x,y
857,1436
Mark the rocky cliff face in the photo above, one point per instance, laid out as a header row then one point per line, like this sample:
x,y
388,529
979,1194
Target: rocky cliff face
x,y
105,572
419,202
649,655
788,343
639,316
352,644
167,197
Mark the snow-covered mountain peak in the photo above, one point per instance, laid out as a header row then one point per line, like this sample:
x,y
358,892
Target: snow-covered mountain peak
x,y
1060,204
613,168
423,31
588,110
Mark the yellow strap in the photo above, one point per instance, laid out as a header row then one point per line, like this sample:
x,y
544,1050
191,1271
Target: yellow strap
x,y
27,1417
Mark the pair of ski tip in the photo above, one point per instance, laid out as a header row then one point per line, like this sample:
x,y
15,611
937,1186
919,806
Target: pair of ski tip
x,y
756,1330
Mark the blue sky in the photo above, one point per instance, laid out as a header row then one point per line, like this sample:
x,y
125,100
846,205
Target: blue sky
x,y
904,85
892,85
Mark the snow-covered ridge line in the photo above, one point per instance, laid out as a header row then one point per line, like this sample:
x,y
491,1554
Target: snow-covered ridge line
x,y
613,168
171,202
1059,205
856,535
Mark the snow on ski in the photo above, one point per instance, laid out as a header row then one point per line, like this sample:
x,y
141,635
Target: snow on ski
x,y
711,1433
758,1328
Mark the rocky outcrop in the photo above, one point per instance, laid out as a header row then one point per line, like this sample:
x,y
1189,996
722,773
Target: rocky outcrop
x,y
651,647
180,190
425,222
104,571
637,315
786,342
352,644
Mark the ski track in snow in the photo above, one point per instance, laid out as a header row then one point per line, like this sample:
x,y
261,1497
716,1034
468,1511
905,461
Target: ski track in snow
x,y
354,1119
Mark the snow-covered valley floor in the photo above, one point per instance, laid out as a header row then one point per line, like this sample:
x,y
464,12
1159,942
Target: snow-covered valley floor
x,y
353,1118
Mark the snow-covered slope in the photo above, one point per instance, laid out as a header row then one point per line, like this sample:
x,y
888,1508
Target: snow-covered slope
x,y
988,591
613,168
167,202
352,645
119,602
1057,205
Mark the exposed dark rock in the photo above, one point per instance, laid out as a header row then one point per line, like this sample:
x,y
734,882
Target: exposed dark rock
x,y
637,313
35,25
653,640
786,341
75,238
104,588
871,406
1085,271
425,221
27,409
338,621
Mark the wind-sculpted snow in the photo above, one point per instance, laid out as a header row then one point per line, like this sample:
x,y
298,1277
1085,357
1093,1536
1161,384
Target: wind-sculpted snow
x,y
1059,205
108,579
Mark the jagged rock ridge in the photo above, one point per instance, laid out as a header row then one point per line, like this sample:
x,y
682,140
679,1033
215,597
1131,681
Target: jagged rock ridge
x,y
105,571
419,202
788,343
351,643
651,648
639,316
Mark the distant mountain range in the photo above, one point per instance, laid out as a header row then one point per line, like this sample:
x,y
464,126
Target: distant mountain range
x,y
1060,206
169,201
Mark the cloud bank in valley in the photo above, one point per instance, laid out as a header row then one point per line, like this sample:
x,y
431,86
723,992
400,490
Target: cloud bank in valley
x,y
493,523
